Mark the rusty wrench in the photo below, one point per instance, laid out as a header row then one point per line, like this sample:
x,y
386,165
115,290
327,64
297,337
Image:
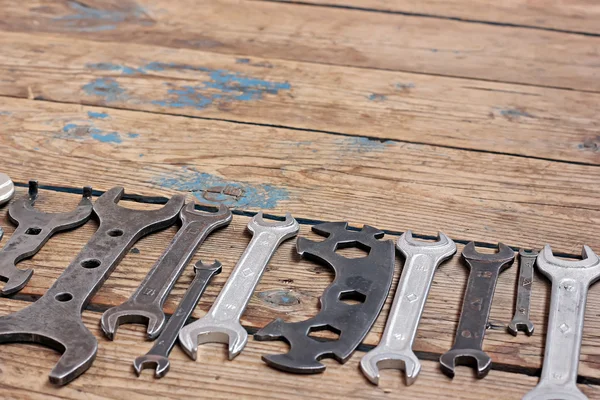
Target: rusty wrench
x,y
477,304
158,356
34,229
55,319
570,283
521,320
395,348
222,323
146,304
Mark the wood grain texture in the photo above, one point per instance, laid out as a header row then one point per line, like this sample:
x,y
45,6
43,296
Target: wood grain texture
x,y
325,35
573,16
291,286
494,117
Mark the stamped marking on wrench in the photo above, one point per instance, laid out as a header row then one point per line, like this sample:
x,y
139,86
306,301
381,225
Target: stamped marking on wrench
x,y
158,356
34,229
222,323
468,342
146,304
395,348
55,319
570,283
521,320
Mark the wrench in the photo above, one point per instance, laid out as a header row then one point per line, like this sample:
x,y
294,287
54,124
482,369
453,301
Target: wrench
x,y
55,319
395,348
221,324
468,342
158,356
146,304
7,188
570,283
33,231
521,320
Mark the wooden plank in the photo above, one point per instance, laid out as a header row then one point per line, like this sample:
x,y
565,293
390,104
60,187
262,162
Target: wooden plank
x,y
573,16
325,35
215,377
392,185
538,122
291,286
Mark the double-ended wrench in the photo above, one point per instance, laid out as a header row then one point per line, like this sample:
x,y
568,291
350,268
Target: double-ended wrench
x,y
521,320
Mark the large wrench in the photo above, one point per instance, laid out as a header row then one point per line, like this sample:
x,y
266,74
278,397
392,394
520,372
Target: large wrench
x,y
146,304
521,320
477,304
570,283
34,229
222,323
395,348
158,356
55,319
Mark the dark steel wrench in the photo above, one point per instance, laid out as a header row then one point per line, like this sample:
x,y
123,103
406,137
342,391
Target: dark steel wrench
x,y
34,229
146,304
55,319
570,283
521,320
158,356
468,342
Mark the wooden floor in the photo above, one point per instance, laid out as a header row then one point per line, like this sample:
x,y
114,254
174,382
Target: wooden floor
x,y
477,118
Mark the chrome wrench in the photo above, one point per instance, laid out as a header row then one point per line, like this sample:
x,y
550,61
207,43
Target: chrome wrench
x,y
146,304
521,320
7,188
395,348
222,323
158,356
570,283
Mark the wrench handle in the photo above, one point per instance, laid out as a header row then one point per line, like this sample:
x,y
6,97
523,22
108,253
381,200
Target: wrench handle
x,y
524,288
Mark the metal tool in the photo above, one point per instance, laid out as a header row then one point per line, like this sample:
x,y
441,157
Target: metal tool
x,y
222,323
570,283
146,304
365,281
395,348
468,342
158,356
55,319
521,320
7,189
33,231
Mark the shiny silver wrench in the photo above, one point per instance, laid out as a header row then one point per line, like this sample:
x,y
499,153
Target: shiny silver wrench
x,y
570,283
222,323
395,348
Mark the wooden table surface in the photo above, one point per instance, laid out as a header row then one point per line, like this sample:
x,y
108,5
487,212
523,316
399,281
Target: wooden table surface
x,y
477,118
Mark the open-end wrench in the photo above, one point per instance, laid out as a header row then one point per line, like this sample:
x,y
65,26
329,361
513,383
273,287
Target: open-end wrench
x,y
395,348
146,304
34,229
55,319
521,320
158,356
7,188
570,283
477,304
222,323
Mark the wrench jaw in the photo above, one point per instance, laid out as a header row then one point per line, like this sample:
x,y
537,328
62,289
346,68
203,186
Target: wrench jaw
x,y
159,363
378,359
504,255
288,228
549,391
234,335
519,324
443,249
220,218
469,357
127,313
553,267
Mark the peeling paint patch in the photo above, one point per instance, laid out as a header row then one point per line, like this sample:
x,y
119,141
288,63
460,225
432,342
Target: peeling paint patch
x,y
75,131
84,18
590,143
514,113
405,87
106,88
97,115
5,113
363,144
212,189
133,135
280,298
377,97
242,60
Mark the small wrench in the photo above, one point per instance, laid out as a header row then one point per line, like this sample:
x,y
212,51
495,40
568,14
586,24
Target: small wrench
x,y
7,188
570,283
222,323
468,342
521,319
146,304
158,356
395,348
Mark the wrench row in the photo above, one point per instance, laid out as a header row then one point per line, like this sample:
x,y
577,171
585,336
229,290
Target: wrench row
x,y
55,319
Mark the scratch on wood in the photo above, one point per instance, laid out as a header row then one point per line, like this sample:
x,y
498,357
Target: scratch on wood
x,y
84,18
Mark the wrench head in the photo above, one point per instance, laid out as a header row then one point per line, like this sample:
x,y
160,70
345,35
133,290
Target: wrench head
x,y
220,218
287,228
552,266
159,363
384,358
128,313
443,249
208,330
471,357
520,324
549,391
505,255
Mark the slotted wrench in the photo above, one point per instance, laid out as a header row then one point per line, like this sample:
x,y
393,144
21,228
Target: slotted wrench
x,y
55,319
521,320
158,356
395,348
570,283
477,304
34,229
146,304
222,323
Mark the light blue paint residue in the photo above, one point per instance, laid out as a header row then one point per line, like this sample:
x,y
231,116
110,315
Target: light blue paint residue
x,y
5,113
364,145
512,113
97,115
212,189
107,88
112,137
376,97
133,135
405,86
242,60
88,19
75,131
